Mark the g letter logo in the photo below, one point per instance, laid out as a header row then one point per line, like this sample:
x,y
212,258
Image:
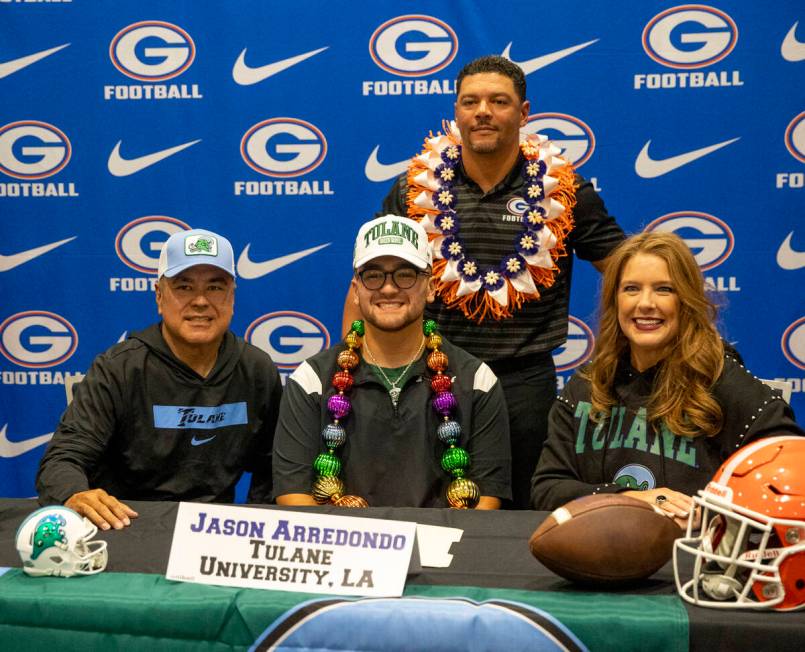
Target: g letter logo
x,y
283,147
709,238
288,337
413,46
574,136
577,349
139,242
690,36
33,150
152,51
793,343
37,339
795,137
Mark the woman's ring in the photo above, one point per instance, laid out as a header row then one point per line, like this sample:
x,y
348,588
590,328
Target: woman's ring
x,y
660,499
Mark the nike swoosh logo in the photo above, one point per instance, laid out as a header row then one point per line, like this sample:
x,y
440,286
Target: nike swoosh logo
x,y
10,67
536,63
246,76
649,168
121,167
377,171
249,270
17,448
792,49
199,442
789,258
15,260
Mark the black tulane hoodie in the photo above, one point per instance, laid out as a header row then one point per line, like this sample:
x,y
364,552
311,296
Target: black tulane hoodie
x,y
144,426
626,452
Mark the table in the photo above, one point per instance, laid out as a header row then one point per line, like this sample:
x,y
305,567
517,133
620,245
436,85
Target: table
x,y
134,603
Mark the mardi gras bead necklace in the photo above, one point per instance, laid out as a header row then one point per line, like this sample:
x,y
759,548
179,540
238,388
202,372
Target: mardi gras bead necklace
x,y
462,493
548,198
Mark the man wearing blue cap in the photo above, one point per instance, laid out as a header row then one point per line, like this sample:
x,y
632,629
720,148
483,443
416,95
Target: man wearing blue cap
x,y
177,411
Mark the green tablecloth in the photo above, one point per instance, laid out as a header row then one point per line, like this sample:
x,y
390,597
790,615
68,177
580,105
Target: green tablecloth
x,y
143,611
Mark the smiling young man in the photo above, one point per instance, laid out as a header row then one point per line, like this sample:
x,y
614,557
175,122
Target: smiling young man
x,y
488,183
365,421
177,411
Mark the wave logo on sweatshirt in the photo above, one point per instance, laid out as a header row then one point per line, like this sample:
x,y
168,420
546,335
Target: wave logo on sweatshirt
x,y
636,477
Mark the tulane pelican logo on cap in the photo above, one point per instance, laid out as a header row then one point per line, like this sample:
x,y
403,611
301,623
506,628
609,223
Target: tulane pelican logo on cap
x,y
200,245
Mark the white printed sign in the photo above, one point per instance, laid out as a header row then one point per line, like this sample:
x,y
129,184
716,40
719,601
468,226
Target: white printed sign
x,y
290,551
433,544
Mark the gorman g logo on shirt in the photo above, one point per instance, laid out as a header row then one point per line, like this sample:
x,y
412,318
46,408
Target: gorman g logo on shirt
x,y
206,418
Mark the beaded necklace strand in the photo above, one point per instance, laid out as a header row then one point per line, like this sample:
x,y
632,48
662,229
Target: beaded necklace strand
x,y
462,493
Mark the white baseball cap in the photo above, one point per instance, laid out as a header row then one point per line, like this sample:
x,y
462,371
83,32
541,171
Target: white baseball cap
x,y
186,249
392,235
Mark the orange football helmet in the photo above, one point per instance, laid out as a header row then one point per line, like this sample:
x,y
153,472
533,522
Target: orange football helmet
x,y
750,552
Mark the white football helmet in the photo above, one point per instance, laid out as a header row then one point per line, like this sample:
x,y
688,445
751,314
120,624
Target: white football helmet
x,y
56,541
750,552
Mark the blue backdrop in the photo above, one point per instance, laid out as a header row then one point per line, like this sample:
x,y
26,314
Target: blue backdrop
x,y
281,125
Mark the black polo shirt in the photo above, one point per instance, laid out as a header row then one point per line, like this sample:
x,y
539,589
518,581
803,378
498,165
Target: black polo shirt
x,y
393,458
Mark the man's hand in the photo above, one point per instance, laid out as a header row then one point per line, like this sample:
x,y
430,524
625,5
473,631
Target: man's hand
x,y
296,500
103,510
673,504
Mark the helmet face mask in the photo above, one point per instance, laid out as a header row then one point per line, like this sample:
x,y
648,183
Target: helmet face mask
x,y
750,552
56,541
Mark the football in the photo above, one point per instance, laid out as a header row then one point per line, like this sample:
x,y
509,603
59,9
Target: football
x,y
604,539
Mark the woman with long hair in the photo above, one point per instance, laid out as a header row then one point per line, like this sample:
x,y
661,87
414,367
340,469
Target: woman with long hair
x,y
662,404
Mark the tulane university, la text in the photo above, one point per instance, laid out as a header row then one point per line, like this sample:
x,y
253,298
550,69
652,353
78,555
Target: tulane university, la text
x,y
288,563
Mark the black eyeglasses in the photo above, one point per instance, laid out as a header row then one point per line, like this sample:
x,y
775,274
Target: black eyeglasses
x,y
403,277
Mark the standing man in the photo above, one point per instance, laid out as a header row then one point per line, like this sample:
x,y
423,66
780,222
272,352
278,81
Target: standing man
x,y
177,411
395,415
505,217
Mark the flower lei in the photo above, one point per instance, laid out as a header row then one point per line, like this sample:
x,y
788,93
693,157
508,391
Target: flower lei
x,y
462,493
548,192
